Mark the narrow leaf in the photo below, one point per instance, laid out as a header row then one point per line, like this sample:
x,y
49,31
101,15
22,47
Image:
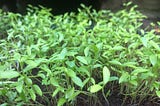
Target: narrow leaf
x,y
115,62
55,92
37,89
61,101
86,51
69,93
158,93
70,63
153,59
155,45
19,86
95,88
83,70
8,74
82,59
62,54
31,64
133,82
77,81
54,81
130,64
32,94
29,50
124,77
139,70
28,81
106,75
113,78
70,73
118,48
75,94
144,41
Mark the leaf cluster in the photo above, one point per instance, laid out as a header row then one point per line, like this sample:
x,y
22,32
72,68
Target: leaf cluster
x,y
58,58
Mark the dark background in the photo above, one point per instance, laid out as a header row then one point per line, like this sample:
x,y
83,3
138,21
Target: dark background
x,y
58,6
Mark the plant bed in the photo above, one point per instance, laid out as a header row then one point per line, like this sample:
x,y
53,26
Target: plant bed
x,y
85,58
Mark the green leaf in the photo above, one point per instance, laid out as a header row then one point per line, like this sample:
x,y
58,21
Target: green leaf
x,y
86,81
32,94
8,74
3,83
55,92
4,104
61,37
69,93
130,64
72,97
69,53
70,63
62,54
31,64
158,93
147,75
83,70
118,48
97,66
2,67
86,51
153,59
106,75
28,81
94,49
144,41
70,73
44,48
156,85
77,81
113,78
29,52
37,89
61,101
108,93
54,81
134,82
19,86
46,68
92,80
139,70
95,88
155,45
124,77
17,56
28,68
133,45
82,59
115,62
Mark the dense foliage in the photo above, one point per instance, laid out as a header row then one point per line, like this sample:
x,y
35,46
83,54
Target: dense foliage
x,y
65,59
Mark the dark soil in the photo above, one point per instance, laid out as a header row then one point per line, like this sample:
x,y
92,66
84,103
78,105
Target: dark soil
x,y
116,99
